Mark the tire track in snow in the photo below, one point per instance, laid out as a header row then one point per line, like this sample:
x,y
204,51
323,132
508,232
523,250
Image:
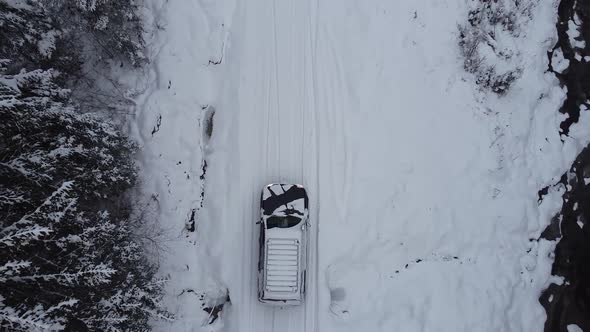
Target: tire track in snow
x,y
247,139
268,318
334,108
316,260
311,309
277,108
269,313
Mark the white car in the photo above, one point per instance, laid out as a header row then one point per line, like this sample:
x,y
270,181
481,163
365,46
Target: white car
x,y
283,241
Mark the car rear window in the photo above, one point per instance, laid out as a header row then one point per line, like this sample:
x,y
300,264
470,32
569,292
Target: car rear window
x,y
282,222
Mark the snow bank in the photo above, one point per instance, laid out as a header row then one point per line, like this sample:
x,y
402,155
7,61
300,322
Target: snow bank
x,y
186,40
431,221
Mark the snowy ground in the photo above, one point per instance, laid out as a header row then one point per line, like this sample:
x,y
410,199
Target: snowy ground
x,y
423,188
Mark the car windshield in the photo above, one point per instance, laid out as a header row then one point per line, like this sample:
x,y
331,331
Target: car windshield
x,y
282,222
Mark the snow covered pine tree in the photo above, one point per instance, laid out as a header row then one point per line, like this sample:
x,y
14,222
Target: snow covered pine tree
x,y
108,29
68,256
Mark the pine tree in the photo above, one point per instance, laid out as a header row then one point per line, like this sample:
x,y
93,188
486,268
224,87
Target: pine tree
x,y
68,251
111,29
34,41
69,257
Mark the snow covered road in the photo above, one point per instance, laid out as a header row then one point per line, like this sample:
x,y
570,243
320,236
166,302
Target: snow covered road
x,y
423,187
275,128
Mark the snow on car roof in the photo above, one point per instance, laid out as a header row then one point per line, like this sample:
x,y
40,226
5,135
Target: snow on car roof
x,y
284,199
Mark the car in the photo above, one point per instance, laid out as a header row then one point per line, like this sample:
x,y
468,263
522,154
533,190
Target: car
x,y
282,263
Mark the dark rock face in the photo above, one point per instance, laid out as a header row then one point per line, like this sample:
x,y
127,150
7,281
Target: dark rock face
x,y
577,77
569,303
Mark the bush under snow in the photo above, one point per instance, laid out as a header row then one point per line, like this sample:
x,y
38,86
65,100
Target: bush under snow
x,y
489,42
